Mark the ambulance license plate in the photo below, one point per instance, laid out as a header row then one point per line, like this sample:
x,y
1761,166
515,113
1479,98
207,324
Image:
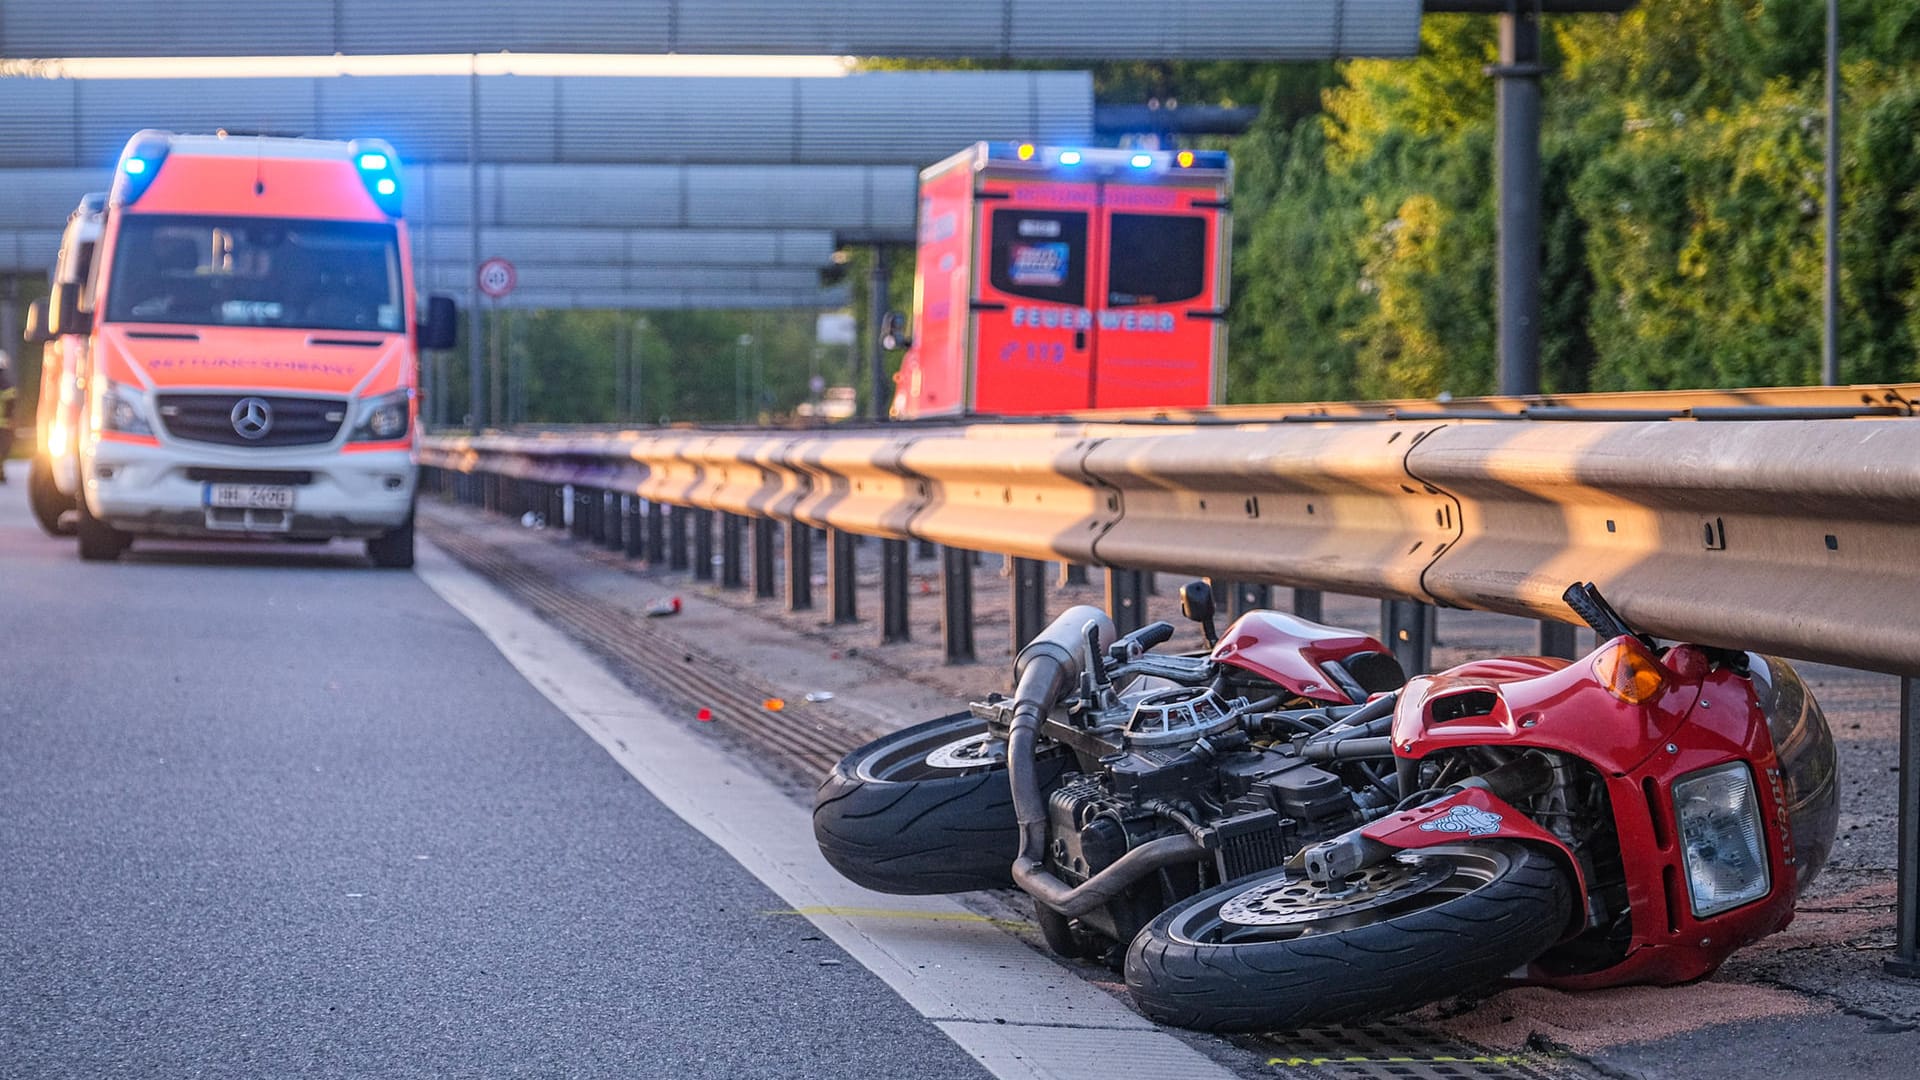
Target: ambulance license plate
x,y
249,497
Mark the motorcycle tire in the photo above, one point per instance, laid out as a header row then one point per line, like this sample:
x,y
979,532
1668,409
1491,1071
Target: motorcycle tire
x,y
888,819
48,504
1423,926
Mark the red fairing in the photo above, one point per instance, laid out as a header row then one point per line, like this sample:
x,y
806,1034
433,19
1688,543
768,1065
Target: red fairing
x,y
1289,650
1702,717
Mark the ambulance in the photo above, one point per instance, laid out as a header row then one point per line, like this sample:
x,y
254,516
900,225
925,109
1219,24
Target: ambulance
x,y
54,475
1056,279
253,346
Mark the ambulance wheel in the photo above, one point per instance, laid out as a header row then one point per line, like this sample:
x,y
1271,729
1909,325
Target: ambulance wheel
x,y
99,541
393,550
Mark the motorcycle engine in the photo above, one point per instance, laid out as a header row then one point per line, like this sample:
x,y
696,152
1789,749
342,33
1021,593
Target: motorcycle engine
x,y
1184,764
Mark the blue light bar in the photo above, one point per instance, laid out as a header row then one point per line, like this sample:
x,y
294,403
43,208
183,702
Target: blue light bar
x,y
135,166
140,166
380,170
373,162
1069,157
1142,161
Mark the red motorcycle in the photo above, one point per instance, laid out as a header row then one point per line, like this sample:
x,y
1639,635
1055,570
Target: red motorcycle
x,y
1276,833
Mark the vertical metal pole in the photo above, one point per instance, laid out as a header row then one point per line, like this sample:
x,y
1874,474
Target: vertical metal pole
x,y
1830,338
1242,598
923,549
496,371
1404,624
893,592
579,499
701,522
657,534
799,567
1127,599
840,576
1557,639
1029,601
635,542
476,376
765,537
732,551
1309,604
879,283
1517,115
956,620
616,521
1072,574
1905,961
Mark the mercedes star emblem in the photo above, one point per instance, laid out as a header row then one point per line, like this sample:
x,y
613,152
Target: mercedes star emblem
x,y
252,418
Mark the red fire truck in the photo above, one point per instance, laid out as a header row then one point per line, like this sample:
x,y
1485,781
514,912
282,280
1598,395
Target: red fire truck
x,y
1052,279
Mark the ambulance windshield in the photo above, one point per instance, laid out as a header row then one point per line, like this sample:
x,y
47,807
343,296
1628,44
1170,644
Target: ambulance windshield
x,y
243,271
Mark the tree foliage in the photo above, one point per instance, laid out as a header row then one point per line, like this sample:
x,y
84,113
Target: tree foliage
x,y
1683,194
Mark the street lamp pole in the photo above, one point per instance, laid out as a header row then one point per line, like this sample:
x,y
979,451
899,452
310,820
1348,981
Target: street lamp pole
x,y
1830,336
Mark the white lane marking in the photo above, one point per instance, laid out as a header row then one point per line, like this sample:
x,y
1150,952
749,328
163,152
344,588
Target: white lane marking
x,y
1017,1012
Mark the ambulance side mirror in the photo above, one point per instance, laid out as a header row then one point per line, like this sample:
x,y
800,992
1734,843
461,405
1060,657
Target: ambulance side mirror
x,y
36,331
65,308
442,322
893,332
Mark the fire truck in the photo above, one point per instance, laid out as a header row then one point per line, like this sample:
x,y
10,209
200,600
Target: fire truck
x,y
1054,279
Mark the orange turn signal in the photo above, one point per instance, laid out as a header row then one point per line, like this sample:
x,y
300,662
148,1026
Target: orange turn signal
x,y
1629,672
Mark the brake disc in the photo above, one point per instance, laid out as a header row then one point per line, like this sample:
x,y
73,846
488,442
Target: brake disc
x,y
1290,901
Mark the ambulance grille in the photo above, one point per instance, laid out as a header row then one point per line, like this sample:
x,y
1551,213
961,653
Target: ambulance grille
x,y
208,418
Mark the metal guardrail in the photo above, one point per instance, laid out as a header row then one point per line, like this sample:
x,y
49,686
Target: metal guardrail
x,y
1788,535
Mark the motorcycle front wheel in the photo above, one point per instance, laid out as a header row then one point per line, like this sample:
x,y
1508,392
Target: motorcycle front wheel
x,y
1275,951
928,809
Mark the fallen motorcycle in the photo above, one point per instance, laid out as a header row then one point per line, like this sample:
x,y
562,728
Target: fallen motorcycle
x,y
1278,832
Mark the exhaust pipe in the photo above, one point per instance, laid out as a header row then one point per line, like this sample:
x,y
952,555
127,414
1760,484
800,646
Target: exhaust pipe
x,y
1046,668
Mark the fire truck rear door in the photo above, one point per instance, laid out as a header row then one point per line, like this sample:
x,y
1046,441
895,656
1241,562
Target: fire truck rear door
x,y
1033,335
1159,293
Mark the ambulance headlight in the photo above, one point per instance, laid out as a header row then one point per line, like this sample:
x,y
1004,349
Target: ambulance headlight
x,y
1721,838
120,411
383,419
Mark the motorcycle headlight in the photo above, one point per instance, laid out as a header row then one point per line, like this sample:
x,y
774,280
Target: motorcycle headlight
x,y
1720,834
120,411
383,419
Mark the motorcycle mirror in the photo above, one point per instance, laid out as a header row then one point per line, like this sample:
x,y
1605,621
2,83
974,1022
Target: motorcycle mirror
x,y
1196,603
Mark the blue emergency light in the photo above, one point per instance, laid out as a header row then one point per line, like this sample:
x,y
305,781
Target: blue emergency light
x,y
139,166
379,169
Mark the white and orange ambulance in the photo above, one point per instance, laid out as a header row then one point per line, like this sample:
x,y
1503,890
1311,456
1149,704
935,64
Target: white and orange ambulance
x,y
254,346
55,475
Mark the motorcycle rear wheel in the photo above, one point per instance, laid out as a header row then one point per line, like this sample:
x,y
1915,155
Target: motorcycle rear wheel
x,y
928,809
1275,952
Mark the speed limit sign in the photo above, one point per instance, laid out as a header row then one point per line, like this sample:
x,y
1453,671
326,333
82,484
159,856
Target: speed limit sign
x,y
497,278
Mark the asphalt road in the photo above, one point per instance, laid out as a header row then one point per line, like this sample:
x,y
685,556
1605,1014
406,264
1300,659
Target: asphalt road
x,y
267,811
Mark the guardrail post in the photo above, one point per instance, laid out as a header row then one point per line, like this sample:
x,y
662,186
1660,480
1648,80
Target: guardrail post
x,y
556,508
1072,574
579,500
1127,599
733,537
799,567
923,549
1029,601
1905,961
840,576
616,520
656,534
956,619
1405,625
1243,597
893,592
765,536
1557,639
701,522
1308,604
634,516
597,515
